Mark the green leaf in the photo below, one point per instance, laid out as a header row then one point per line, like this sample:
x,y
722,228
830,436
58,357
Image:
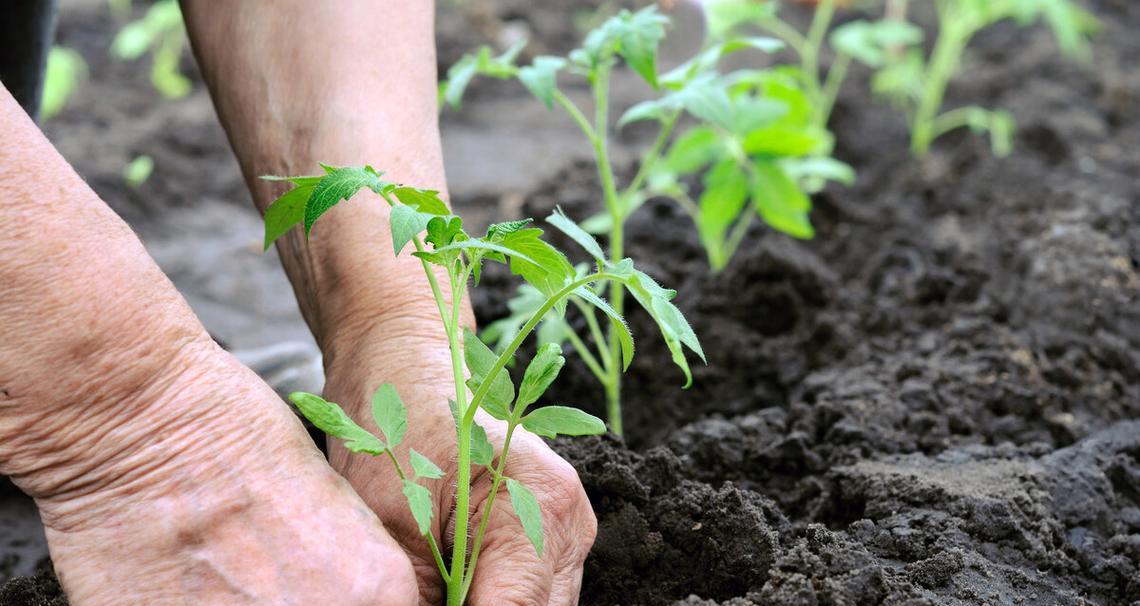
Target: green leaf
x,y
423,466
540,373
480,359
419,501
723,16
550,421
724,197
529,513
482,453
459,76
472,245
567,226
870,43
331,419
406,223
496,231
442,231
787,141
538,262
779,200
423,200
674,329
341,183
390,414
654,109
707,99
540,78
285,212
137,171
625,339
639,40
692,151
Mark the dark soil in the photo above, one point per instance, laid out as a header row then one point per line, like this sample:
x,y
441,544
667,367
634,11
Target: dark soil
x,y
933,402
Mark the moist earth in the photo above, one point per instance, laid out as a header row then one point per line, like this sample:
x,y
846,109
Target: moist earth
x,y
935,401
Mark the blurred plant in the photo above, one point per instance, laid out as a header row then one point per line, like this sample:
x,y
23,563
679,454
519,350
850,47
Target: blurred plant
x,y
418,211
161,32
917,84
754,140
65,71
138,170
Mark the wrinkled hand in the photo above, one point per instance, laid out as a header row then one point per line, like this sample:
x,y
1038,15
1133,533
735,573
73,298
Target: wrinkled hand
x,y
509,572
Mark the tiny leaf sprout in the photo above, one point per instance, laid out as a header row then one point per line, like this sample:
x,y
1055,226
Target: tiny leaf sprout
x,y
421,218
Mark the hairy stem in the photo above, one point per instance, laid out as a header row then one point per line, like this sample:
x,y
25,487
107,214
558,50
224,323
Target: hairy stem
x,y
463,480
615,206
496,480
430,536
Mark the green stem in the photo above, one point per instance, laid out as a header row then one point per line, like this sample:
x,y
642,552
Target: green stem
x,y
737,236
951,120
463,480
787,33
512,347
496,479
595,330
835,77
586,355
820,23
576,114
944,59
430,536
601,85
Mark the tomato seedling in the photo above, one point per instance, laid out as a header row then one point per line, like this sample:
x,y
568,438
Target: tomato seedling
x,y
546,270
917,84
753,140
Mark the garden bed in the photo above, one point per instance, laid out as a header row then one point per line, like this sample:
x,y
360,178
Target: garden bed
x,y
936,401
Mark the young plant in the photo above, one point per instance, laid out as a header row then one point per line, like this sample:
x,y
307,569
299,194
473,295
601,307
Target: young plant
x,y
445,244
753,139
865,41
917,84
162,33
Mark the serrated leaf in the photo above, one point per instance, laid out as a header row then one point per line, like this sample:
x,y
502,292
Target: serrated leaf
x,y
423,200
419,501
442,231
567,226
540,78
638,42
676,332
528,511
480,359
550,421
540,373
482,453
625,338
423,466
390,414
331,419
406,223
779,200
496,231
539,263
285,212
341,183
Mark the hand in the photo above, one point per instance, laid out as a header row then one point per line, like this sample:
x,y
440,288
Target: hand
x,y
214,496
412,354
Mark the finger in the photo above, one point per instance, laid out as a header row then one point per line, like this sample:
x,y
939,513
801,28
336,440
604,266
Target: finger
x,y
510,571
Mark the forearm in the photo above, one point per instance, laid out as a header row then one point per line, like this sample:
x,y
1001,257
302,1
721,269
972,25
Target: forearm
x,y
297,84
93,332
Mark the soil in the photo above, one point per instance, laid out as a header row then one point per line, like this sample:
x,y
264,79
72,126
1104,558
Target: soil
x,y
935,401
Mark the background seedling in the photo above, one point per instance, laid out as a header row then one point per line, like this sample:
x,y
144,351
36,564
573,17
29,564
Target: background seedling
x,y
755,140
917,84
554,281
160,32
